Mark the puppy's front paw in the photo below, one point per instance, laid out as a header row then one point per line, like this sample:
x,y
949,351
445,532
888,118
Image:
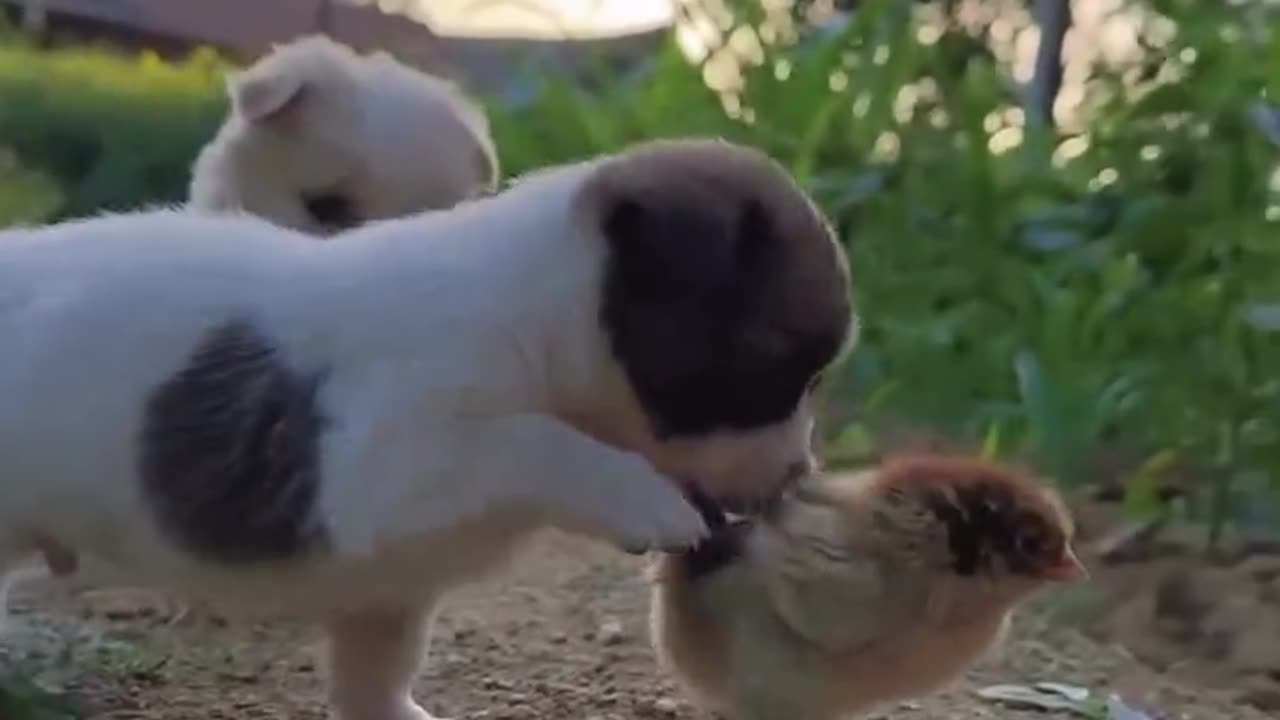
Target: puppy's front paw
x,y
418,713
653,515
401,710
585,486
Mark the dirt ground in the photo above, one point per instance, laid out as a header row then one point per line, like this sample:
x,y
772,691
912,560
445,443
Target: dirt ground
x,y
559,635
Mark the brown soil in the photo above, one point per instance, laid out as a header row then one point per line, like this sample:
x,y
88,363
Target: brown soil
x,y
559,635
1215,619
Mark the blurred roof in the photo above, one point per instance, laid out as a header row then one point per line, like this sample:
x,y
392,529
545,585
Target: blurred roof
x,y
248,28
542,19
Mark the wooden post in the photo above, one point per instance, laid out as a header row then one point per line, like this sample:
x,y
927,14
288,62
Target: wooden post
x,y
1054,19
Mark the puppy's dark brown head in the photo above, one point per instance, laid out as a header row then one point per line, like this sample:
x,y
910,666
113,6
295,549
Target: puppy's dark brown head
x,y
725,295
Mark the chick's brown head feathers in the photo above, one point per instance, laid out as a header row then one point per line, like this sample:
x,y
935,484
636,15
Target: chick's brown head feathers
x,y
996,521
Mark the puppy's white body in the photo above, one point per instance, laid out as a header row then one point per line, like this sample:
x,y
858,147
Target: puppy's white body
x,y
99,311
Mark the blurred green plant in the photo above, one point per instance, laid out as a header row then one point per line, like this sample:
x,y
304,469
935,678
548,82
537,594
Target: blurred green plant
x,y
1043,293
23,699
109,132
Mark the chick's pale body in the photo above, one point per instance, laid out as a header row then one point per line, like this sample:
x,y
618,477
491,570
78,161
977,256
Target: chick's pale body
x,y
843,598
752,654
730,640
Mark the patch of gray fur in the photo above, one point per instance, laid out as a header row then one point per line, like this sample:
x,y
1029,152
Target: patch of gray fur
x,y
229,452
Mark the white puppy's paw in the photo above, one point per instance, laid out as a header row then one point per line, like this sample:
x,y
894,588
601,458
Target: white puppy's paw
x,y
416,712
580,484
634,507
656,516
404,710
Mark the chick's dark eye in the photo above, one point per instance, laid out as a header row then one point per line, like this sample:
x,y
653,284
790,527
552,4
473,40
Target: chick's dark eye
x,y
1031,545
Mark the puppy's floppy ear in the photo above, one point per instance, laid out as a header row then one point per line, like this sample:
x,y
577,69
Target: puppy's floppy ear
x,y
261,97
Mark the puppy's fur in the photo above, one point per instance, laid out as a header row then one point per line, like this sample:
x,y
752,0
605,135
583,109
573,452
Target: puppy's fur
x,y
321,139
858,589
228,409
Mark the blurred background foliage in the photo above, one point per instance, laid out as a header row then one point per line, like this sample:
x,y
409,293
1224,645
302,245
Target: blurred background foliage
x,y
1099,294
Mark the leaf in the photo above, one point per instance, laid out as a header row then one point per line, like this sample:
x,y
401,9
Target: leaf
x,y
1266,118
1142,487
853,445
1045,696
1071,692
1049,240
1264,317
1118,710
991,441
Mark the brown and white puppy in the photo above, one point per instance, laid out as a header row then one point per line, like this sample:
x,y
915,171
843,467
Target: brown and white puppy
x,y
858,589
346,430
320,138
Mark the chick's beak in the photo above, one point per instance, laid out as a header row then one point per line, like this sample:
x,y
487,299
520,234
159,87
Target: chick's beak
x,y
1068,569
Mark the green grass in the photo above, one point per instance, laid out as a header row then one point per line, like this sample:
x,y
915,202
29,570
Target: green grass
x,y
22,699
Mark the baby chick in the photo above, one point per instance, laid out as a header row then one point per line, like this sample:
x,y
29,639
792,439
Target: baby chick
x,y
857,589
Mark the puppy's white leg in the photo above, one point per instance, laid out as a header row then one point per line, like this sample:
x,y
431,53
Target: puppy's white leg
x,y
583,485
374,657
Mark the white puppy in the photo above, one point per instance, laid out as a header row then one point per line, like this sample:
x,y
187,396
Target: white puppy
x,y
320,138
346,430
